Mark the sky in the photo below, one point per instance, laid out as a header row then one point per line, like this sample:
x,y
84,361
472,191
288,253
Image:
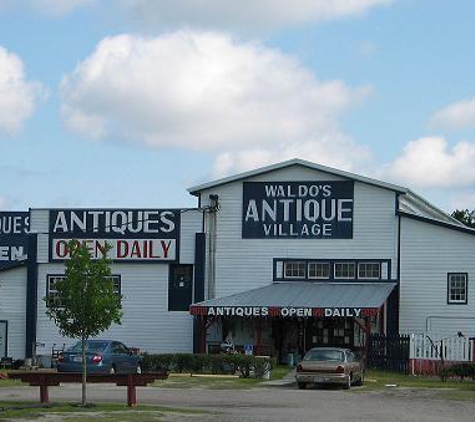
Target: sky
x,y
127,103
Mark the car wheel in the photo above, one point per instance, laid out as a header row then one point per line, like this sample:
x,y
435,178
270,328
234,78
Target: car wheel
x,y
112,371
360,382
347,384
301,385
138,370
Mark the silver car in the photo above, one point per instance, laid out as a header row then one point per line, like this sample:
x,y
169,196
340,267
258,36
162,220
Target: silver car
x,y
330,365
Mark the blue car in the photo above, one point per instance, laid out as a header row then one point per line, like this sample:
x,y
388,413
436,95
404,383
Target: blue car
x,y
102,357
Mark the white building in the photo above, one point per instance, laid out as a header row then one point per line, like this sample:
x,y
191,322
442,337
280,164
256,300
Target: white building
x,y
281,258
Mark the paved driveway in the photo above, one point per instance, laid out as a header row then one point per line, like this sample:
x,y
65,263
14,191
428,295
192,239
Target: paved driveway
x,y
282,403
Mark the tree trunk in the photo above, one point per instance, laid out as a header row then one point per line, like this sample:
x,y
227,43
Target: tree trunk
x,y
84,371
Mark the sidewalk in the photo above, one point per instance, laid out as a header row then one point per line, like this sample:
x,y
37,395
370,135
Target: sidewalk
x,y
288,379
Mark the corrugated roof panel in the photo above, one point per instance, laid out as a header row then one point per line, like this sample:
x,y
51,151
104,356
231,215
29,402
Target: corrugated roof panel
x,y
309,295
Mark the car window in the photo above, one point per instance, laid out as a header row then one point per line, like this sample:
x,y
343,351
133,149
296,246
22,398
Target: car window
x,y
91,346
325,355
119,348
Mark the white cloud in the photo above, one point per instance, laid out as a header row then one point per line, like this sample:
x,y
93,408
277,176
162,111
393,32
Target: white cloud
x,y
429,162
204,91
458,115
245,13
17,95
338,152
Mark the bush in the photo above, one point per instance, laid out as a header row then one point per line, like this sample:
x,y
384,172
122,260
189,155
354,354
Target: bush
x,y
200,363
459,370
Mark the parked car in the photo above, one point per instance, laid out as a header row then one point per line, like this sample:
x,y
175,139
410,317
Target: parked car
x,y
330,365
102,356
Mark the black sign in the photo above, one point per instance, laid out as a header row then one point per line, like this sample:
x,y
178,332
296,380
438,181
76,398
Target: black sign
x,y
134,235
314,210
14,227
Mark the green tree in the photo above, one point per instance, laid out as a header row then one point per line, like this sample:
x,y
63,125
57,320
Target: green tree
x,y
85,304
466,217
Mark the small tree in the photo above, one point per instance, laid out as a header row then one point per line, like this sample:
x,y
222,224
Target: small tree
x,y
85,304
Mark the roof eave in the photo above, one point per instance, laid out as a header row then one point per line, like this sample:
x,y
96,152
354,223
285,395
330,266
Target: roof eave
x,y
195,190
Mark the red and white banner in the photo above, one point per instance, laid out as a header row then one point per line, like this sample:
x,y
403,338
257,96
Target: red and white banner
x,y
121,249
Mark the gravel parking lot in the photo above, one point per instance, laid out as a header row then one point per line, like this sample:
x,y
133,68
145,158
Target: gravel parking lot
x,y
284,403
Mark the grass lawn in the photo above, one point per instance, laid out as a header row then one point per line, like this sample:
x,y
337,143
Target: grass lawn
x,y
9,382
74,413
218,382
451,389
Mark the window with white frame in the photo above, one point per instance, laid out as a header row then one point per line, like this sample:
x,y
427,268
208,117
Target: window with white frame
x,y
53,279
457,288
345,270
369,270
294,269
319,270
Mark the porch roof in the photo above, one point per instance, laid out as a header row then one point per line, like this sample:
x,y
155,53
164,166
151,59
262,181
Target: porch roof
x,y
316,295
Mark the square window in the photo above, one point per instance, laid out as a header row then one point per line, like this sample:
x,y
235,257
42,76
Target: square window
x,y
294,269
319,270
345,270
53,279
457,286
369,270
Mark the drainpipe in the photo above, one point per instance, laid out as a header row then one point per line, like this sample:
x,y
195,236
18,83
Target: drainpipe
x,y
212,210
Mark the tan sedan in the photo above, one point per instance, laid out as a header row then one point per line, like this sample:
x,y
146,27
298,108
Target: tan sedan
x,y
330,365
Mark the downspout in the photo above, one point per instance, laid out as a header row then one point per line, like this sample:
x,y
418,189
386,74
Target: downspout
x,y
212,210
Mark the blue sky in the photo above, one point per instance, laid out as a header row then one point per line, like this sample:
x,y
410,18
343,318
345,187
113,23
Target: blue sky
x,y
121,103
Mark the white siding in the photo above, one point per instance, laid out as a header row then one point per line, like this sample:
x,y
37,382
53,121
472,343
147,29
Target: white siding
x,y
39,223
244,264
191,223
428,253
146,322
13,309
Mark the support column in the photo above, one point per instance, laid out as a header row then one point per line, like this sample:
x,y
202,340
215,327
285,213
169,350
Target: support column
x,y
367,326
259,337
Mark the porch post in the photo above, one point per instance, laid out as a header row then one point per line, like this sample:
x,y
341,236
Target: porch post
x,y
367,330
382,310
204,329
259,337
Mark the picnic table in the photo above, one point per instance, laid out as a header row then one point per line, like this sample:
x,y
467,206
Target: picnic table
x,y
45,379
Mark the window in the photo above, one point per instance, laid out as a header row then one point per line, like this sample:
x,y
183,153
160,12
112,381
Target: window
x,y
53,279
319,270
345,270
369,270
457,286
294,269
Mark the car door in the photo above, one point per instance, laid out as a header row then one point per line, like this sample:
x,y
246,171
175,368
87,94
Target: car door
x,y
355,366
127,361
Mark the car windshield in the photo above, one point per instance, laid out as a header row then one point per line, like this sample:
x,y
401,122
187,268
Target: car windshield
x,y
325,355
91,346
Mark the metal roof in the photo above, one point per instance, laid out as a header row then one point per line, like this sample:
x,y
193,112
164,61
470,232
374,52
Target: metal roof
x,y
309,295
297,161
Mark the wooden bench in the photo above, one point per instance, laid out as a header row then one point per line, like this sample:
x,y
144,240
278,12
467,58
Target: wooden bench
x,y
45,379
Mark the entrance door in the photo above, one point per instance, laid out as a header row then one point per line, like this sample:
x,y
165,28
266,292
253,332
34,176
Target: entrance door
x,y
3,338
335,332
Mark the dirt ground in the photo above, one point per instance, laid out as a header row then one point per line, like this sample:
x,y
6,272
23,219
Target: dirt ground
x,y
283,403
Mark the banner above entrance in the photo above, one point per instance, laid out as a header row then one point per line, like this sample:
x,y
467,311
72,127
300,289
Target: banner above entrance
x,y
287,312
301,300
